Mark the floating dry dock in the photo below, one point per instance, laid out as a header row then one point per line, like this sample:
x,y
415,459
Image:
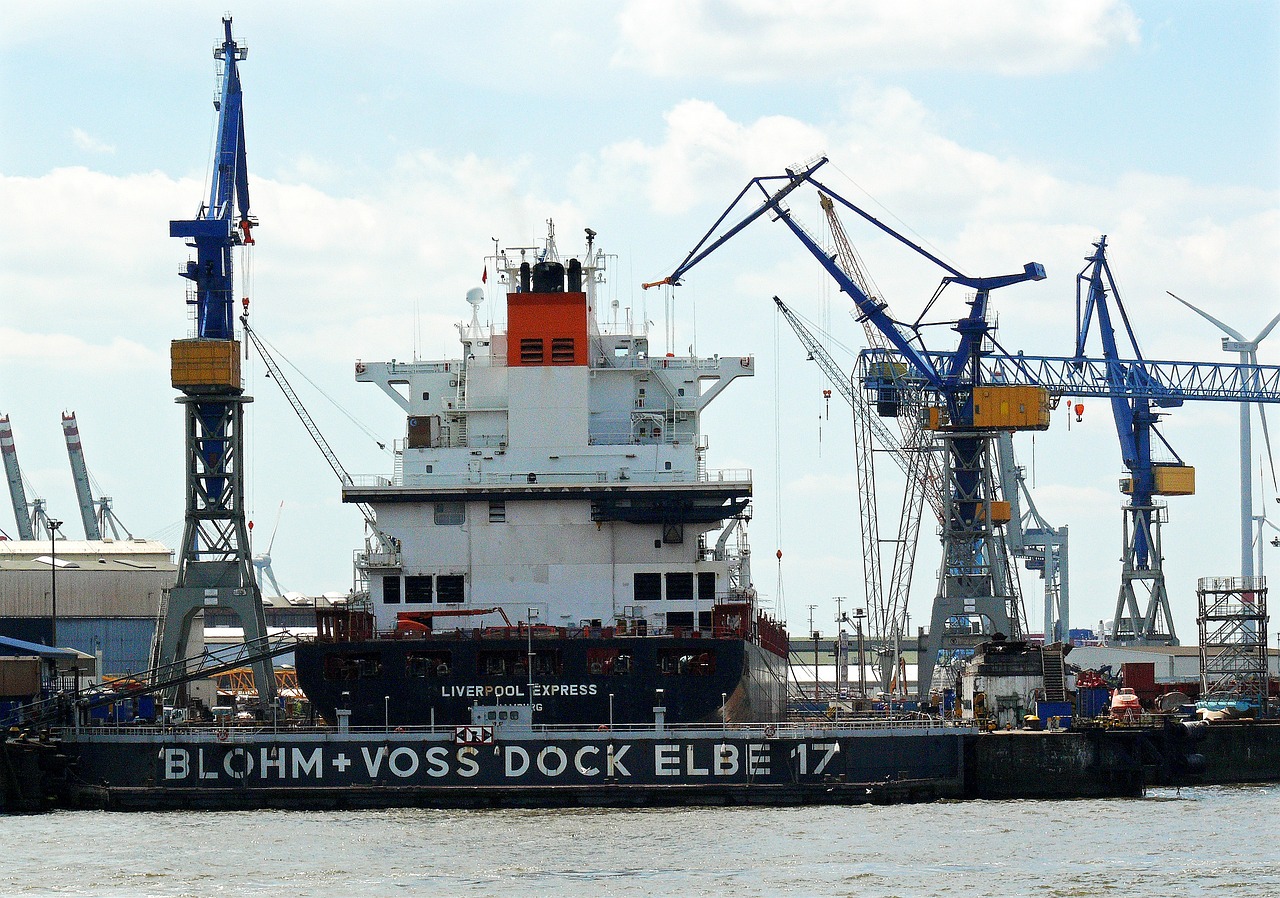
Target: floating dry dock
x,y
147,768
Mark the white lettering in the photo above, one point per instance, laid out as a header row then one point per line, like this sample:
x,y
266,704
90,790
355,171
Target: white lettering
x,y
515,751
832,748
726,759
802,751
692,770
552,751
271,757
177,763
205,774
615,760
579,763
310,764
409,768
436,759
467,765
666,760
242,771
757,758
373,764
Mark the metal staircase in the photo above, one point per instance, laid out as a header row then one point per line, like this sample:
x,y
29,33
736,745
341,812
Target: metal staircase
x,y
1051,663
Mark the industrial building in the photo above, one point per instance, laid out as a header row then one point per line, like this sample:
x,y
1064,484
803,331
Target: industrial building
x,y
108,596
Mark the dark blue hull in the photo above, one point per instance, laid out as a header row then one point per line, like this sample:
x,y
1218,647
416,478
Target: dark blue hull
x,y
582,681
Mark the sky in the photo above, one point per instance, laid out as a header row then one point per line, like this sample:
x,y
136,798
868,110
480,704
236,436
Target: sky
x,y
388,145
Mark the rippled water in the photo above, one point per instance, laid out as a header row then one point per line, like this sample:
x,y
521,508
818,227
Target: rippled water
x,y
1206,841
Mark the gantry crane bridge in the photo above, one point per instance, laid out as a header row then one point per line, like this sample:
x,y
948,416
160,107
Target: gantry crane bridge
x,y
973,393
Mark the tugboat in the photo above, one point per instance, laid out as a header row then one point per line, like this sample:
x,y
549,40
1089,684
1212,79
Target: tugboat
x,y
553,475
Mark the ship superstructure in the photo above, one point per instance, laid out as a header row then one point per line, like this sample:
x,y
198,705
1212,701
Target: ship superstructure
x,y
555,475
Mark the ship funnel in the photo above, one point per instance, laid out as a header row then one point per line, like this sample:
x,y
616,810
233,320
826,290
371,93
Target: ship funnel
x,y
575,276
548,277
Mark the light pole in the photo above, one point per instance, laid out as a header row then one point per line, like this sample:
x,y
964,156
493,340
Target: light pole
x,y
529,615
53,578
858,615
386,713
816,697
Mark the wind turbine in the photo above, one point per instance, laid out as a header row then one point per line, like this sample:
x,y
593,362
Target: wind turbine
x,y
262,561
1248,349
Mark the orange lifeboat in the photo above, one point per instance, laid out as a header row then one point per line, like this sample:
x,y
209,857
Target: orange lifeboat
x,y
1125,705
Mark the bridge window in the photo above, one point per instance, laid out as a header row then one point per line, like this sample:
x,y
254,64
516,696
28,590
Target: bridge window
x,y
648,587
450,514
391,590
417,590
680,587
450,589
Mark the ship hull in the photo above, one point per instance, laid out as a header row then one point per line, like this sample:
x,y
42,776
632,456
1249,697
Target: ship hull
x,y
438,680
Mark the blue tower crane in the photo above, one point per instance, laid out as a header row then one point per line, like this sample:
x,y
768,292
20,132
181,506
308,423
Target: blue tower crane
x,y
215,563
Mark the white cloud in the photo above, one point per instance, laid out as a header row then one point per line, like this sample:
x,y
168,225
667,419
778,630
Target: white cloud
x,y
757,40
89,143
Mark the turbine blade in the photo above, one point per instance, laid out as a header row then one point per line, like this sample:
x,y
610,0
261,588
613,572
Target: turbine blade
x,y
1266,330
1266,440
1229,331
271,542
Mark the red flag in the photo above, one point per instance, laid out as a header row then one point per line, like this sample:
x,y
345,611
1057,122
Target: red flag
x,y
484,278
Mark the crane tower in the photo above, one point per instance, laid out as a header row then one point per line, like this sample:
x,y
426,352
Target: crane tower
x,y
215,564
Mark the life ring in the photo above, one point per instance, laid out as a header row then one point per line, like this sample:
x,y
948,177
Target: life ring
x,y
221,735
770,731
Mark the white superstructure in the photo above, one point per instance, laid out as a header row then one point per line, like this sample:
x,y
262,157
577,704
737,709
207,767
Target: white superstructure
x,y
556,469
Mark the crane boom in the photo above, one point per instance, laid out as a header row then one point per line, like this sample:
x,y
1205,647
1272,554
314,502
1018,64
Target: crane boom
x,y
17,493
278,375
80,475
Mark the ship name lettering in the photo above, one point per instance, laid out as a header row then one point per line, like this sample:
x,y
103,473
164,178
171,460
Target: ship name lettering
x,y
726,761
467,765
269,758
758,758
689,767
615,760
211,774
553,767
241,770
666,759
437,766
177,763
514,752
831,749
312,764
581,765
574,689
397,764
373,763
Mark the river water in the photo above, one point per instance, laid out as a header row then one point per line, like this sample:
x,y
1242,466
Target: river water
x,y
1204,841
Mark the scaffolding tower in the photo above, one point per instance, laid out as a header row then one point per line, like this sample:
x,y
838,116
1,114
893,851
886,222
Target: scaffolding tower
x,y
1233,640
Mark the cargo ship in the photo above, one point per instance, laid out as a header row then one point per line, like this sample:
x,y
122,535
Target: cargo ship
x,y
551,536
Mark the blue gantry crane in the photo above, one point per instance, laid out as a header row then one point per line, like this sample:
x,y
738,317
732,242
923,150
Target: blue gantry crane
x,y
215,564
975,596
981,389
1098,299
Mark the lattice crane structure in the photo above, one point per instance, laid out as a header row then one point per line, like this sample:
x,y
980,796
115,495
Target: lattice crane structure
x,y
215,565
975,392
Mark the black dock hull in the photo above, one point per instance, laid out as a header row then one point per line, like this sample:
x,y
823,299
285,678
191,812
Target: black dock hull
x,y
385,682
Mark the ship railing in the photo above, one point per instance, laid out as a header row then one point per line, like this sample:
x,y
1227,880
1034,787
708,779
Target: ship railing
x,y
559,478
234,731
